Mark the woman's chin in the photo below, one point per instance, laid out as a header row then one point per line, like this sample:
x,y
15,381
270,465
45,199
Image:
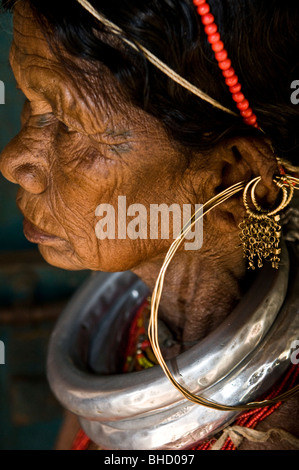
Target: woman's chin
x,y
67,260
109,259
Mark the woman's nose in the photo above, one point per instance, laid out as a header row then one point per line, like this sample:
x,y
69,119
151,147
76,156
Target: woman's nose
x,y
22,162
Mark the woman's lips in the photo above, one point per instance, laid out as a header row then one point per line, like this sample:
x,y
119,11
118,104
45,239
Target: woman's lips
x,y
35,235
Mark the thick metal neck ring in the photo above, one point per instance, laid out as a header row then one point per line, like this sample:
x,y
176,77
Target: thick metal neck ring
x,y
239,362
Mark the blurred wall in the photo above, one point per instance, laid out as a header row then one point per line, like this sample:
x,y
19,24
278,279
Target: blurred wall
x,y
32,296
11,236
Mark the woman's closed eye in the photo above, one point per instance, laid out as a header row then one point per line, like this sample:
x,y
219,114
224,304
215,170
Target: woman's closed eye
x,y
47,119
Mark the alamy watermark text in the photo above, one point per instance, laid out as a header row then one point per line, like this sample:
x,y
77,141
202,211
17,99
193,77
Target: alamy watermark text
x,y
295,94
159,221
2,353
2,92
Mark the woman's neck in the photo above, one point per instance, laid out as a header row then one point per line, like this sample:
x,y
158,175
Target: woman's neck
x,y
199,291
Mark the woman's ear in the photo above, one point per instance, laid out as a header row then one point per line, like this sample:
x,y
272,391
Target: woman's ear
x,y
236,160
244,159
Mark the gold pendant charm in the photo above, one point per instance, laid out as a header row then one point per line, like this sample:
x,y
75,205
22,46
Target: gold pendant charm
x,y
260,240
261,230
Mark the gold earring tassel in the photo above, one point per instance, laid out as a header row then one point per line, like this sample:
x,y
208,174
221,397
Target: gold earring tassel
x,y
261,229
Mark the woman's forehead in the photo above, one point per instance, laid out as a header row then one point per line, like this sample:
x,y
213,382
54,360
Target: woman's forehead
x,y
48,84
43,77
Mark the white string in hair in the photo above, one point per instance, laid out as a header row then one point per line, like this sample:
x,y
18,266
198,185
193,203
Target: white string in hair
x,y
153,59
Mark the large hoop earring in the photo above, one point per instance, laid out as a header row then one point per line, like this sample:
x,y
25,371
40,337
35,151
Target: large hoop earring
x,y
261,229
283,182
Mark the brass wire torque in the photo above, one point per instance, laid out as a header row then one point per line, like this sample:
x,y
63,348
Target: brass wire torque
x,y
157,293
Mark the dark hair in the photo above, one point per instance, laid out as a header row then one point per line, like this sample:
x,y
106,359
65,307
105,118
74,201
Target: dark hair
x,y
261,37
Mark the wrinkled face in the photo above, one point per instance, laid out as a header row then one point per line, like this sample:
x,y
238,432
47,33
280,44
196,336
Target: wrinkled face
x,y
79,148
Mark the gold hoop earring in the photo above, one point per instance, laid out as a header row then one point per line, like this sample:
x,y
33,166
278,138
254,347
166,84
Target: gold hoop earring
x,y
283,182
261,230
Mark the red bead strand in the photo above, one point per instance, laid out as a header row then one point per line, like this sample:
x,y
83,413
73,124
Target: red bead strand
x,y
224,63
250,419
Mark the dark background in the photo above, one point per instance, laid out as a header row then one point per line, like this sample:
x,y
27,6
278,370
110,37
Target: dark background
x,y
32,296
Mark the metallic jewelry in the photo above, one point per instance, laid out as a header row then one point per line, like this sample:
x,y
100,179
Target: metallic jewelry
x,y
240,361
261,230
272,235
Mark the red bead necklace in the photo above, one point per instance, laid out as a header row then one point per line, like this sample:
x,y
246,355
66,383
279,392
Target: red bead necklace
x,y
224,63
252,418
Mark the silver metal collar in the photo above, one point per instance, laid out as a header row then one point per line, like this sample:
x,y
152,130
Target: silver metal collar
x,y
237,363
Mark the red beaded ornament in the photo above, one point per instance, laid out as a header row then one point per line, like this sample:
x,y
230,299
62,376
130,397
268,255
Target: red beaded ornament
x,y
225,65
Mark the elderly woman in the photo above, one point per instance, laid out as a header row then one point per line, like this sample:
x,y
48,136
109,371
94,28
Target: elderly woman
x,y
179,103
